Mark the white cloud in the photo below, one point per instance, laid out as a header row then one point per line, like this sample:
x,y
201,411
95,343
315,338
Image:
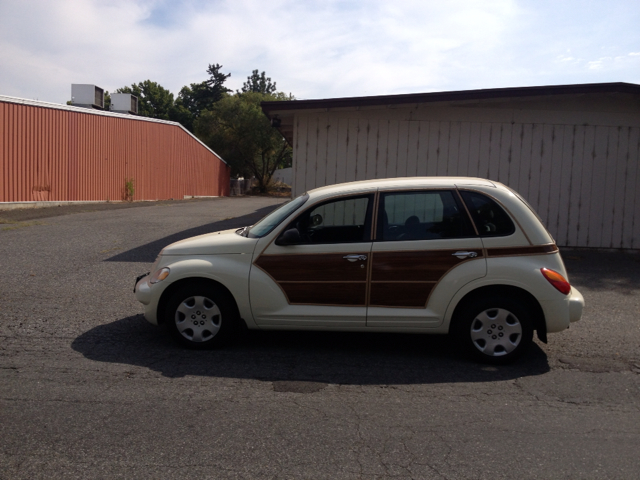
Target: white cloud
x,y
313,49
562,58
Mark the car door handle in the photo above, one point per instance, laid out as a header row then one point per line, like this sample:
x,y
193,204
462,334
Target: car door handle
x,y
462,255
355,257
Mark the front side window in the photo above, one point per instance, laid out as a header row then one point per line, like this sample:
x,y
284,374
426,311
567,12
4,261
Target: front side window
x,y
339,221
490,219
426,215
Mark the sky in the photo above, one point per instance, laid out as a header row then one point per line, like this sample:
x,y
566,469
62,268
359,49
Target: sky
x,y
316,49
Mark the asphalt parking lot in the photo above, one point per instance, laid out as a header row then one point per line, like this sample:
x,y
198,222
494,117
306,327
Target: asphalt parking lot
x,y
88,389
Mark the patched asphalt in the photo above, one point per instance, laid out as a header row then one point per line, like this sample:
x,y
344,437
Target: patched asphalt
x,y
88,389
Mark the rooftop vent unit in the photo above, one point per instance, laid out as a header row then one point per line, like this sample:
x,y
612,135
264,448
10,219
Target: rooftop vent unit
x,y
124,103
87,96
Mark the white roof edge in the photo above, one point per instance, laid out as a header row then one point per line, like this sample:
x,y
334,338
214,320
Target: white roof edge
x,y
403,182
89,111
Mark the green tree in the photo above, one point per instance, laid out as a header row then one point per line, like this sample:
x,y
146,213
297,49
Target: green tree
x,y
154,100
237,129
259,83
198,97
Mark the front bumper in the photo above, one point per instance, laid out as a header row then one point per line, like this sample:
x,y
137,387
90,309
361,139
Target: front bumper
x,y
138,278
142,289
144,295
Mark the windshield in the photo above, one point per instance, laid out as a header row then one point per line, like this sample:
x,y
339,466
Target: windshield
x,y
271,221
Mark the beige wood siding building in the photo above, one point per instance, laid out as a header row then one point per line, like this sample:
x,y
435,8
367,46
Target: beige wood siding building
x,y
571,151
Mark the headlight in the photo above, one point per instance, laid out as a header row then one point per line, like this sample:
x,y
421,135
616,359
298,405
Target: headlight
x,y
159,275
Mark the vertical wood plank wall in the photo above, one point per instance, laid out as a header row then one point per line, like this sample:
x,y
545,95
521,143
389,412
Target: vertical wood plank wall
x,y
582,179
60,155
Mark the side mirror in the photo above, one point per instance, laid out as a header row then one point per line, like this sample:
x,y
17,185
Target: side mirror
x,y
289,237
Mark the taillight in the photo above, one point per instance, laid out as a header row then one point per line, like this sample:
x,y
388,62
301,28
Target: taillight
x,y
557,280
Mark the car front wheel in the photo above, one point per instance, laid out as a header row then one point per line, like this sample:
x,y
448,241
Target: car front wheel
x,y
200,316
495,330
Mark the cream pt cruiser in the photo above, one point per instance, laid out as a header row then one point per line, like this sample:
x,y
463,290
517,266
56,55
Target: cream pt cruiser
x,y
463,256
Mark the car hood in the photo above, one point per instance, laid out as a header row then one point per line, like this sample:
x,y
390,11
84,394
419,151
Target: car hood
x,y
216,243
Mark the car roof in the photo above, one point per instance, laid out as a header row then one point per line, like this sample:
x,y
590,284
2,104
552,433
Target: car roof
x,y
400,183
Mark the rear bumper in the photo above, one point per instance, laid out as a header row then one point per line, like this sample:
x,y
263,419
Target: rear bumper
x,y
560,313
576,304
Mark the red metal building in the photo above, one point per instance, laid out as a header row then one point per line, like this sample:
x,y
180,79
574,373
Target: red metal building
x,y
52,152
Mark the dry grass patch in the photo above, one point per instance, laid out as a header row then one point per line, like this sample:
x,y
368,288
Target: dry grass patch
x,y
14,224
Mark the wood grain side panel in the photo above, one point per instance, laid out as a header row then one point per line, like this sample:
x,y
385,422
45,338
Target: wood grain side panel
x,y
321,267
416,266
385,294
510,251
351,294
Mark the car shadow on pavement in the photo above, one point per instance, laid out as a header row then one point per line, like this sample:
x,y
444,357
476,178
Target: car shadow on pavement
x,y
147,253
323,357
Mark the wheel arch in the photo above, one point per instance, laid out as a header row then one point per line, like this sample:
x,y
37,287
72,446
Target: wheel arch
x,y
168,292
539,322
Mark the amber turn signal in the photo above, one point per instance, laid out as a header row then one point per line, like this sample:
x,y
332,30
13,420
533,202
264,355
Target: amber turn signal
x,y
557,280
159,275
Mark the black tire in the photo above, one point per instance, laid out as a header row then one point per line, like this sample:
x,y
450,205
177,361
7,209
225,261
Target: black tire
x,y
494,330
201,316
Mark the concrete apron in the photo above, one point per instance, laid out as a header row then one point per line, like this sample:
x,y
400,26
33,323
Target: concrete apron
x,y
16,205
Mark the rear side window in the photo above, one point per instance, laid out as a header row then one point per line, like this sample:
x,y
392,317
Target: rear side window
x,y
490,219
426,215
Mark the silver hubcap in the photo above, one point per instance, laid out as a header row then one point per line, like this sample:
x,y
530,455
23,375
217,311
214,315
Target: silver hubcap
x,y
198,319
496,332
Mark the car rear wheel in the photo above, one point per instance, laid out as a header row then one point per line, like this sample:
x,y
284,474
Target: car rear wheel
x,y
495,330
201,316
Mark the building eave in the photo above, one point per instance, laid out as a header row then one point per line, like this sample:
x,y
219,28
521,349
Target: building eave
x,y
284,110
